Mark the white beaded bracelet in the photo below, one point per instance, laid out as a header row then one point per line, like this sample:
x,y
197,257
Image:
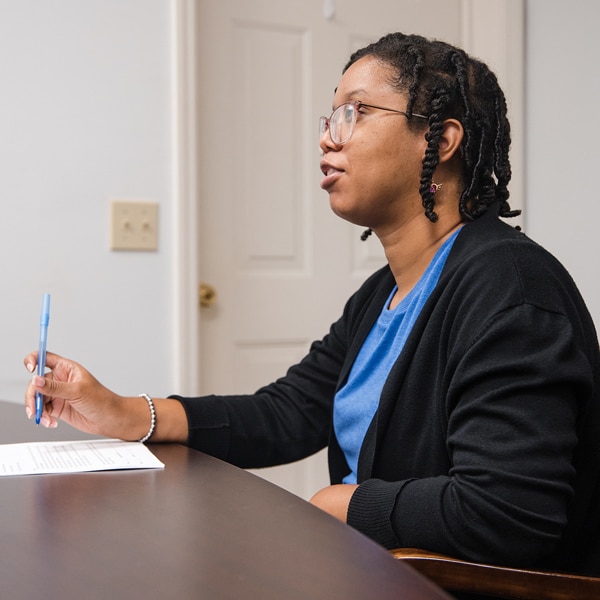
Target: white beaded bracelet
x,y
152,418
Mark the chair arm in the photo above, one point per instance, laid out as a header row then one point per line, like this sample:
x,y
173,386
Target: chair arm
x,y
499,582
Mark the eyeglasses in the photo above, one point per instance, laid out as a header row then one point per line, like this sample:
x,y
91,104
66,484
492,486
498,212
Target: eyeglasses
x,y
343,118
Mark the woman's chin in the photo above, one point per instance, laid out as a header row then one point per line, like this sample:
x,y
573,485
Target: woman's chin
x,y
347,215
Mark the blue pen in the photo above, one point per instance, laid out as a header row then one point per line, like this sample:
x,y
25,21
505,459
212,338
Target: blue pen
x,y
41,363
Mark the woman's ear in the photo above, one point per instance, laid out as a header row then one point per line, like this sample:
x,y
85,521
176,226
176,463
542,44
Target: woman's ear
x,y
452,136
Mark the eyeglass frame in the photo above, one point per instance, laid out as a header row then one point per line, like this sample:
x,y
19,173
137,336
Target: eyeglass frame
x,y
324,122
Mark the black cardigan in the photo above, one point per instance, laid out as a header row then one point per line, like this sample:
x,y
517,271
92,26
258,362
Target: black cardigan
x,y
486,443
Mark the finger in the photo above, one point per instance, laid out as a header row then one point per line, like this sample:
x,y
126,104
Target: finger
x,y
49,405
40,384
30,361
30,400
52,359
47,420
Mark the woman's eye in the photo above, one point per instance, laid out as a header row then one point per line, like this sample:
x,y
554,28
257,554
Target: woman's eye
x,y
348,112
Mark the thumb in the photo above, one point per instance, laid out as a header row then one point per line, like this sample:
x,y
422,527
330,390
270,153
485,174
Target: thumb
x,y
49,386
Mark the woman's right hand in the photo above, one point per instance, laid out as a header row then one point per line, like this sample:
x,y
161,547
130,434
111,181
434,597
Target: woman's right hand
x,y
73,395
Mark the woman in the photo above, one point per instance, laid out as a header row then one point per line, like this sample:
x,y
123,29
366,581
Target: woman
x,y
458,393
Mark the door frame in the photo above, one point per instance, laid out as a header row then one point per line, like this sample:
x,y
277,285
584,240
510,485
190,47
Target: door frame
x,y
186,315
501,46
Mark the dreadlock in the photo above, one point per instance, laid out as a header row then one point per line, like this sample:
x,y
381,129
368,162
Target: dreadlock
x,y
444,82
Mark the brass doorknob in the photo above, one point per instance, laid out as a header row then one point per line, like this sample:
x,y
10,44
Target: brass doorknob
x,y
207,295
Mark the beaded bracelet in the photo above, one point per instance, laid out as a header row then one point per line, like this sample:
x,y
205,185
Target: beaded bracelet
x,y
152,418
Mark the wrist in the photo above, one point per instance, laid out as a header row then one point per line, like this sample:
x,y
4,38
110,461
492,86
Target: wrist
x,y
133,419
152,425
170,420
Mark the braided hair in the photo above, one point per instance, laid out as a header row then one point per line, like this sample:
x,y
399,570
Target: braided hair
x,y
444,82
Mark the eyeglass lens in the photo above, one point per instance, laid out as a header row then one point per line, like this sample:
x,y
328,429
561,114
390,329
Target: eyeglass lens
x,y
340,124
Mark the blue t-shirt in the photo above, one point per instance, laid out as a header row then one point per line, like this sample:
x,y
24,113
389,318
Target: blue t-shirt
x,y
356,403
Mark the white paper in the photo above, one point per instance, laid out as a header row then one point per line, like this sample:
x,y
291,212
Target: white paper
x,y
35,458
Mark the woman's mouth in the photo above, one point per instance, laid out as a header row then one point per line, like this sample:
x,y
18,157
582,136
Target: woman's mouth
x,y
331,175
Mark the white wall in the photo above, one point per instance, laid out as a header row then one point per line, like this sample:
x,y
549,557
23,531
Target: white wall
x,y
85,116
563,133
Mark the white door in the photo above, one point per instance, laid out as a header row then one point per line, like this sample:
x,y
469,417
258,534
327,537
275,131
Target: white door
x,y
281,263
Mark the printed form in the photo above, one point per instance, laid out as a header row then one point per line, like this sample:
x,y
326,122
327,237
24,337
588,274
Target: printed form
x,y
36,458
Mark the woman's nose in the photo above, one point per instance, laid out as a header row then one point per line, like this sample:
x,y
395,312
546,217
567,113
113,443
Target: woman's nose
x,y
326,143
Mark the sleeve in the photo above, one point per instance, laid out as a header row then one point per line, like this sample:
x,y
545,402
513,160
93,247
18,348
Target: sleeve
x,y
281,422
511,401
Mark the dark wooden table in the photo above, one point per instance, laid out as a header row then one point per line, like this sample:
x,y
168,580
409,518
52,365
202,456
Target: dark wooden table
x,y
198,529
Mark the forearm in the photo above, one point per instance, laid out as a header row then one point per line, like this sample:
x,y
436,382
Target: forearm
x,y
280,423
